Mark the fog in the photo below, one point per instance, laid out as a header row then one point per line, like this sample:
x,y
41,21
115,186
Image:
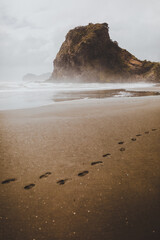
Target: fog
x,y
33,31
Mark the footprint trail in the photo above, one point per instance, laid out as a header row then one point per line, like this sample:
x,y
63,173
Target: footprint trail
x,y
9,180
45,175
94,163
27,187
82,174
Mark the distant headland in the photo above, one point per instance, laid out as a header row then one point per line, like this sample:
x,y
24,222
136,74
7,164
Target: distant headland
x,y
88,54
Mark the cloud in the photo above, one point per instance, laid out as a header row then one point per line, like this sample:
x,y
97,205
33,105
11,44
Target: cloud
x,y
33,31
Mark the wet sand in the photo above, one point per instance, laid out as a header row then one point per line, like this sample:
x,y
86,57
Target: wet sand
x,y
90,94
86,169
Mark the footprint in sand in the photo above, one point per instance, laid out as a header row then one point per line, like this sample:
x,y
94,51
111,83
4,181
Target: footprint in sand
x,y
45,175
120,142
106,155
122,149
9,180
154,129
62,181
94,163
27,187
147,132
82,174
133,139
138,135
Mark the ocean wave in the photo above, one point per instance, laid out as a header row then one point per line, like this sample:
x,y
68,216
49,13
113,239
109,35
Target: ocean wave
x,y
19,95
41,86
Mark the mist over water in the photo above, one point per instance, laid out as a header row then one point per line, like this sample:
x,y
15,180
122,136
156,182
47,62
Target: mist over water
x,y
19,95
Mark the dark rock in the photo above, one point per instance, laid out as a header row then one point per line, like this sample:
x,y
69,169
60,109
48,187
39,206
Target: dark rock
x,y
90,55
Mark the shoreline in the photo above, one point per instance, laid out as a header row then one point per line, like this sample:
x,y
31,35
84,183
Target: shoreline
x,y
77,191
26,100
86,103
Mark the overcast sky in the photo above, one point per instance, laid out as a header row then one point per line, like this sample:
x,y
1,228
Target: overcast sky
x,y
32,31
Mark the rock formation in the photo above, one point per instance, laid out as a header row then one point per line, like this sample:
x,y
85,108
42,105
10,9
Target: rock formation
x,y
90,55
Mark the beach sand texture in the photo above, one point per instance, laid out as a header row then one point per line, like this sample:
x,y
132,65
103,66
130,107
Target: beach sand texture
x,y
86,169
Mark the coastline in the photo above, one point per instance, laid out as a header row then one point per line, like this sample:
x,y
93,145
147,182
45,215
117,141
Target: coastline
x,y
33,95
119,196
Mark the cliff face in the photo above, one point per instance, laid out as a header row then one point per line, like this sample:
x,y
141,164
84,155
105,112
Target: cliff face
x,y
90,55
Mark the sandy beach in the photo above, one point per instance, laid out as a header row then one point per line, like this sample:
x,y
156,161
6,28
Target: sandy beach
x,y
83,169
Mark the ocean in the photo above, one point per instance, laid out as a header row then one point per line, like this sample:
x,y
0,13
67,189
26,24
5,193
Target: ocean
x,y
20,95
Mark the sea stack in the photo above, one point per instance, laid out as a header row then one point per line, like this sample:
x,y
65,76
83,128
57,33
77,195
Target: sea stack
x,y
88,54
